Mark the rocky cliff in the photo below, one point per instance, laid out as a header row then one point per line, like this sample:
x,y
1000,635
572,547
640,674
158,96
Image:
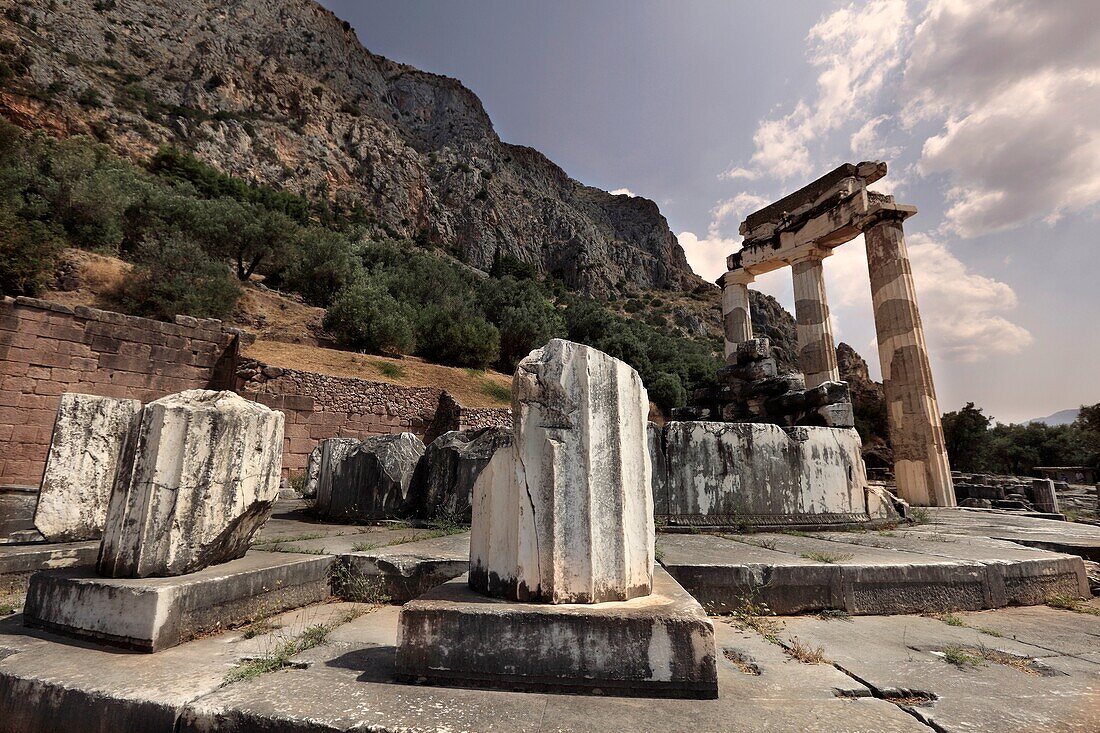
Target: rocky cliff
x,y
282,92
869,404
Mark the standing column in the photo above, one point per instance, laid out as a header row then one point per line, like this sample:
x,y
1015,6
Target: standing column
x,y
920,456
816,349
736,316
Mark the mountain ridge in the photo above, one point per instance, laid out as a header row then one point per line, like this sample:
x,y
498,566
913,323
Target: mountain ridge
x,y
285,94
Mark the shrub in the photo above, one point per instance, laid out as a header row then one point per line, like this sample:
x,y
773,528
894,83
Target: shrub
x,y
458,339
666,390
28,253
524,316
175,276
363,316
321,263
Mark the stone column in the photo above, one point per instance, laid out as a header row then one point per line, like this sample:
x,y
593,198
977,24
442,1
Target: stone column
x,y
920,456
736,316
816,349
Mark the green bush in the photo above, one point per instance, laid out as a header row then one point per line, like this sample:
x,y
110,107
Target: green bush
x,y
666,390
363,316
459,339
523,314
321,263
28,254
176,276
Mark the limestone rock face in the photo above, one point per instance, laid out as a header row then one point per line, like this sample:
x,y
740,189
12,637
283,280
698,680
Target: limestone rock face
x,y
565,514
89,434
196,481
331,455
373,480
445,478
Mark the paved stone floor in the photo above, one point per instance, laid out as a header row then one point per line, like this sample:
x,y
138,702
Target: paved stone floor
x,y
1023,669
1033,668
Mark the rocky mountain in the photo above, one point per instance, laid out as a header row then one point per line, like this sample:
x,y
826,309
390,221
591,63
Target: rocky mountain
x,y
869,403
283,92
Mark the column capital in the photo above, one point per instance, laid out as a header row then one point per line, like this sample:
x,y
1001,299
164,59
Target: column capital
x,y
810,252
737,277
880,212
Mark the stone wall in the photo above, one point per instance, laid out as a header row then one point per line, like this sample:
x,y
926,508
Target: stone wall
x,y
47,348
319,406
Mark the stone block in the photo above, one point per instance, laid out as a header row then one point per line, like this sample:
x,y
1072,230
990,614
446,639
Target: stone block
x,y
373,480
749,372
1043,495
775,386
444,480
565,514
827,393
196,481
753,350
151,614
332,454
731,473
838,415
89,435
661,645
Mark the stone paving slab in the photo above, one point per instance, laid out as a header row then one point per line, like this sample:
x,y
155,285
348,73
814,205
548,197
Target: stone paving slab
x,y
404,572
339,544
1071,537
17,562
348,686
906,653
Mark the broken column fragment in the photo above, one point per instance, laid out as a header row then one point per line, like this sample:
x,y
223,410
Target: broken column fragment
x,y
565,515
331,454
89,434
373,480
444,480
196,481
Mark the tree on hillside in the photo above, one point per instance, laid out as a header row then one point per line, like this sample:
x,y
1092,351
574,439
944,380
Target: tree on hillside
x,y
966,434
1088,423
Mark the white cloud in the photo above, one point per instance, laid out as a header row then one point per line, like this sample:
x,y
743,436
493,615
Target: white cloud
x,y
962,311
623,192
1016,86
855,48
707,255
735,172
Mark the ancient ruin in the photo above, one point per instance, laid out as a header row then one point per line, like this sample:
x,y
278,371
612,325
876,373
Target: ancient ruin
x,y
800,231
564,516
86,447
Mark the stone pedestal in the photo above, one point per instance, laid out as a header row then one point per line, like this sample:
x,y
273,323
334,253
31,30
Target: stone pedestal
x,y
1044,496
151,614
816,349
661,645
565,514
197,480
920,455
89,434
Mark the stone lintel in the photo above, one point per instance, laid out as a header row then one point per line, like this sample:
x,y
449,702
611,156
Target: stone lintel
x,y
660,645
816,237
842,180
151,614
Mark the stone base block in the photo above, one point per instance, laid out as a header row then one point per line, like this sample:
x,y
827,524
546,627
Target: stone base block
x,y
151,614
661,645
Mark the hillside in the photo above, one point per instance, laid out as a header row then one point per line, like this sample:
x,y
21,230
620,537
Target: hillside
x,y
284,94
1062,417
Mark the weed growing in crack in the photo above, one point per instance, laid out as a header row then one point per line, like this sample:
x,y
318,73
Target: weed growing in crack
x,y
825,557
754,614
352,584
1068,603
834,614
961,657
952,619
804,653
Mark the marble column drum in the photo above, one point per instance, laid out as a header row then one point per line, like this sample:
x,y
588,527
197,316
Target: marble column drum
x,y
736,316
920,455
816,348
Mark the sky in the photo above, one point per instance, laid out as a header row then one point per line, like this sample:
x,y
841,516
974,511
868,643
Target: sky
x,y
987,112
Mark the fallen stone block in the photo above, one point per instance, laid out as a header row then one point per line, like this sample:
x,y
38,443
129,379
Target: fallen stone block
x,y
331,454
151,614
89,435
373,480
660,645
444,480
199,478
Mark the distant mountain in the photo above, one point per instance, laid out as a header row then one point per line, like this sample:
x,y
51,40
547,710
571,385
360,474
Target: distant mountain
x,y
283,93
1062,417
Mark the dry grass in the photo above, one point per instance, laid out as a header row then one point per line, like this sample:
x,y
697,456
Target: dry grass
x,y
804,653
469,389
